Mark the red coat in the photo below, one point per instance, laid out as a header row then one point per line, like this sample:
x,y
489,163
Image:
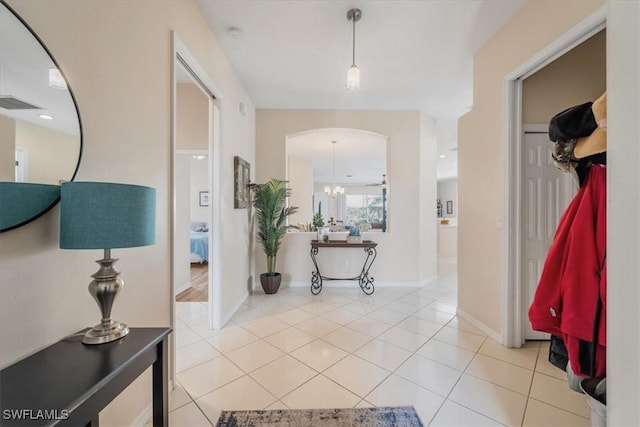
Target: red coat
x,y
572,281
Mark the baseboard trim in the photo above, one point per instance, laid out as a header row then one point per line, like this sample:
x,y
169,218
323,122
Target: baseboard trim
x,y
181,289
478,324
233,311
144,417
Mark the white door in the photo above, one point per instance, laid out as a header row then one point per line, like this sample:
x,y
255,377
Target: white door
x,y
546,194
20,165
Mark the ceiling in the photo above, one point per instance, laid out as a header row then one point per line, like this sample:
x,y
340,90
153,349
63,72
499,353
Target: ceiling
x,y
412,55
24,74
360,156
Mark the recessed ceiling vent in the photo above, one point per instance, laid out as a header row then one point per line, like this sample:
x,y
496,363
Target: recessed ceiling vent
x,y
11,103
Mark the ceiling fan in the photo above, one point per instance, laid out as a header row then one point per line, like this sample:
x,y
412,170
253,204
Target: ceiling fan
x,y
380,184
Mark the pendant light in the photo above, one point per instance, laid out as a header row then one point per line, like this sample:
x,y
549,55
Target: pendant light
x,y
353,73
333,192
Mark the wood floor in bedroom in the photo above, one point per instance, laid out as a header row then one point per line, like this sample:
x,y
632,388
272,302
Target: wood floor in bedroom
x,y
198,290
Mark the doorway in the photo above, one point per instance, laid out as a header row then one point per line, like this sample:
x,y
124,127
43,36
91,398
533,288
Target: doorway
x,y
191,237
447,219
521,269
547,192
196,184
21,166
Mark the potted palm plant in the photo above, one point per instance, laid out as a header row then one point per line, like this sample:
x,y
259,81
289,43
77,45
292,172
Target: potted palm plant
x,y
269,202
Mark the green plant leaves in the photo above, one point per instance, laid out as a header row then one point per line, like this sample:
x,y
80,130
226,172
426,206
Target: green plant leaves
x,y
269,201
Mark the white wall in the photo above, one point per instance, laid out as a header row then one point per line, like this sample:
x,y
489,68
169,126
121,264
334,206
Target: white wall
x,y
448,190
199,175
426,198
182,221
407,253
447,240
623,245
118,60
294,262
300,176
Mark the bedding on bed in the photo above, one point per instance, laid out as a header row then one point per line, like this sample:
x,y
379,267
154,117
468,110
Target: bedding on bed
x,y
200,245
199,242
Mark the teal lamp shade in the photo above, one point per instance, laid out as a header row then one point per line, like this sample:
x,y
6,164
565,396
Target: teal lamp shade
x,y
101,215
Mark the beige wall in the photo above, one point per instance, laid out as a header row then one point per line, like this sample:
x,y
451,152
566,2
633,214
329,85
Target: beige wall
x,y
406,253
576,77
118,60
480,156
51,155
192,129
7,148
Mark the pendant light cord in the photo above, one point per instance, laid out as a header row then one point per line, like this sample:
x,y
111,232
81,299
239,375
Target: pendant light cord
x,y
353,58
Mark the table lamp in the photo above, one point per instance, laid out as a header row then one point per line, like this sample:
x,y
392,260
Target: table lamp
x,y
101,215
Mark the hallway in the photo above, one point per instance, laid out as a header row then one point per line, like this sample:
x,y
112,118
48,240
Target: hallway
x,y
400,346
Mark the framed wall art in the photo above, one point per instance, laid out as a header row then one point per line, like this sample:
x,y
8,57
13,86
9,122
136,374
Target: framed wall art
x,y
241,179
449,207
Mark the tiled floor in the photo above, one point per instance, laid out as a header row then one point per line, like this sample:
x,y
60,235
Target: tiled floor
x,y
400,346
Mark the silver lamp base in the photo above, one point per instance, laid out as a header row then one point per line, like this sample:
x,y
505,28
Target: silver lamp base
x,y
105,286
101,334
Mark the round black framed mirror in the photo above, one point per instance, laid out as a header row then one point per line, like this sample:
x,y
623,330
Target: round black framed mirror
x,y
40,127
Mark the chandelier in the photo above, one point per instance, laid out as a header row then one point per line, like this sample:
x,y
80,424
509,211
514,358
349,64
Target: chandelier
x,y
336,190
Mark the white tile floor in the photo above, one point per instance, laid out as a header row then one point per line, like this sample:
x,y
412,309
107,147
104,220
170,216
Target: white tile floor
x,y
401,346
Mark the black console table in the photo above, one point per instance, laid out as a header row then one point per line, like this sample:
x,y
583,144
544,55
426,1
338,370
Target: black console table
x,y
69,383
364,280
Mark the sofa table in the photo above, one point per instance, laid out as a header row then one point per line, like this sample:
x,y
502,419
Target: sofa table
x,y
69,383
364,280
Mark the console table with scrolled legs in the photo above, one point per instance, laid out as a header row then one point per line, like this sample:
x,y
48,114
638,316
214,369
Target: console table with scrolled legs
x,y
364,280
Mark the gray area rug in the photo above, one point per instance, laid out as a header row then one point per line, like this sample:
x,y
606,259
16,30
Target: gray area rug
x,y
348,417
